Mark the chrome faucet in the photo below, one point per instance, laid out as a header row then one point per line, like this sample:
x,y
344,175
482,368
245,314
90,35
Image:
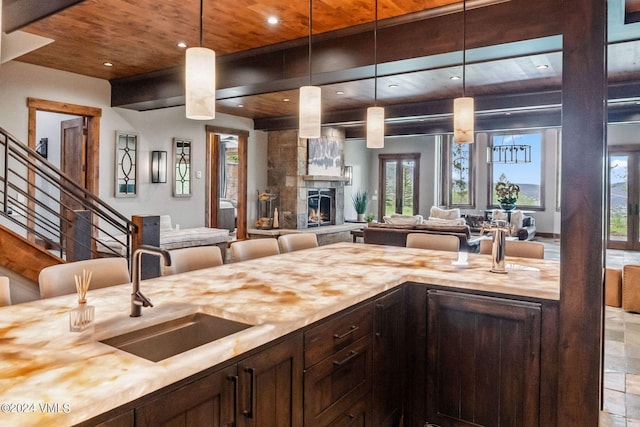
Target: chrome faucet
x,y
500,229
138,300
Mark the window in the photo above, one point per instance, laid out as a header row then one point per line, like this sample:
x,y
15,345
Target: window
x,y
528,175
458,177
399,184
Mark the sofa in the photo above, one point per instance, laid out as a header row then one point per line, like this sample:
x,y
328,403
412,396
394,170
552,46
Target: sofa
x,y
396,234
522,226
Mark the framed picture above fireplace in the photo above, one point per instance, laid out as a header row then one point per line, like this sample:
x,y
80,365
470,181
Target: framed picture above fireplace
x,y
324,156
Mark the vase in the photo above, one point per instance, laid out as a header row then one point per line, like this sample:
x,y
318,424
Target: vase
x,y
506,206
360,217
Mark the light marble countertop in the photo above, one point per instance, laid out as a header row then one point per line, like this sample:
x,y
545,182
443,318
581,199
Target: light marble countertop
x,y
43,364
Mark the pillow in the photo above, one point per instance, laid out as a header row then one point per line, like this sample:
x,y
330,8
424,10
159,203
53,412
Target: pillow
x,y
438,221
403,219
165,223
436,212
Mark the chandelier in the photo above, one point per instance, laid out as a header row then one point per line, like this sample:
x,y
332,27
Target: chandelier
x,y
509,153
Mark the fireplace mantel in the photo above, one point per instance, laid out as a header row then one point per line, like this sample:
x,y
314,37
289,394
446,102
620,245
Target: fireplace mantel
x,y
325,178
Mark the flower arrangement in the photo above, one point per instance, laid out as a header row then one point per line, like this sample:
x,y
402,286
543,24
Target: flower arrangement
x,y
506,191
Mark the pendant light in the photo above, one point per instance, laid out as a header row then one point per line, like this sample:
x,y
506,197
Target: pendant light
x,y
200,80
463,108
375,114
310,100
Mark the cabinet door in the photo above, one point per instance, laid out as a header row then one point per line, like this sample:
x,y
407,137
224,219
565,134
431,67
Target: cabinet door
x,y
389,362
270,386
483,361
209,401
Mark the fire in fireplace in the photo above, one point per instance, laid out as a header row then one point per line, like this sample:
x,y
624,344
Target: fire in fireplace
x,y
320,204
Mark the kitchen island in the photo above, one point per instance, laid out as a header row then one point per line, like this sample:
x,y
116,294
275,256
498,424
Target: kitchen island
x,y
50,376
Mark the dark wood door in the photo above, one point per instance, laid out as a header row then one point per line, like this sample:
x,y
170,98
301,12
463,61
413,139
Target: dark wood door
x,y
270,386
483,361
389,361
209,401
623,193
73,164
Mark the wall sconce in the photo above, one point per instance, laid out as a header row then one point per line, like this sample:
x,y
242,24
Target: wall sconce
x,y
348,173
158,167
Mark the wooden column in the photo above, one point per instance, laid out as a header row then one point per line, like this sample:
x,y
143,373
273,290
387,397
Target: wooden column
x,y
583,154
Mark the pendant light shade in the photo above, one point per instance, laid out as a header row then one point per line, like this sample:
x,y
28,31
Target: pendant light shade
x,y
310,117
200,83
310,100
463,107
375,127
463,120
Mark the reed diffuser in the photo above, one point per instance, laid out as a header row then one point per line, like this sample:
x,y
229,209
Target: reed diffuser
x,y
81,317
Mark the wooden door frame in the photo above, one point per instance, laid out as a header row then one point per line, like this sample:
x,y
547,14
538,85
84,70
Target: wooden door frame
x,y
93,116
382,158
633,181
212,189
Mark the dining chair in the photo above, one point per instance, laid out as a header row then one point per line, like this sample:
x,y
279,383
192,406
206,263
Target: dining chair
x,y
245,250
5,292
297,241
193,258
438,242
518,248
59,279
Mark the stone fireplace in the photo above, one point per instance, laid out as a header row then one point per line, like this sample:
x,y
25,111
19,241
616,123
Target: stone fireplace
x,y
288,177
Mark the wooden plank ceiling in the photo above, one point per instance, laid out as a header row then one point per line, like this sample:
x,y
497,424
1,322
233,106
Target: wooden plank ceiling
x,y
141,37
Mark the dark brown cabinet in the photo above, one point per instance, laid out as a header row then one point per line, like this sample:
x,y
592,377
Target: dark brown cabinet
x,y
483,361
270,386
389,362
208,401
338,369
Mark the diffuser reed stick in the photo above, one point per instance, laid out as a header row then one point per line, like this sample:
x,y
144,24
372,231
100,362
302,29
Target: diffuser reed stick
x,y
82,285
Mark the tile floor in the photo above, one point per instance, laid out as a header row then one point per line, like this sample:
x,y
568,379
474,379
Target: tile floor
x,y
621,394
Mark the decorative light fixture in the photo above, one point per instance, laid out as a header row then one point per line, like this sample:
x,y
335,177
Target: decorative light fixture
x,y
310,121
200,80
509,153
158,167
463,108
375,114
348,174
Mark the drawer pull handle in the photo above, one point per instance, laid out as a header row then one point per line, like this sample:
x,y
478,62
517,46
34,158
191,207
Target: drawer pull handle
x,y
249,412
351,355
346,334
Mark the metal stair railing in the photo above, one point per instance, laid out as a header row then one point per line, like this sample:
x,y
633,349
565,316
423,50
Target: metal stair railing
x,y
40,202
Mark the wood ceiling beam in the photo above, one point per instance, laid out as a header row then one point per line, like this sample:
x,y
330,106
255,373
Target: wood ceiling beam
x,y
346,55
20,13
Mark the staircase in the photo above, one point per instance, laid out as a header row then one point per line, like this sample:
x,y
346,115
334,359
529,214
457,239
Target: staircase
x,y
46,218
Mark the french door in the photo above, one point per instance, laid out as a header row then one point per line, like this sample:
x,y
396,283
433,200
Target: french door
x,y
623,218
399,184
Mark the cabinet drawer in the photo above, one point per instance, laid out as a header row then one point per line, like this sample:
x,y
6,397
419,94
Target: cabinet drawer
x,y
357,415
336,334
339,381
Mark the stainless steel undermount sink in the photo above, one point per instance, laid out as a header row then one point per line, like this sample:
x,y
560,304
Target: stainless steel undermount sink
x,y
161,341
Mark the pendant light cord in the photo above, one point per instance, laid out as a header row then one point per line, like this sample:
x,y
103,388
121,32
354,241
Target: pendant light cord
x,y
375,57
464,46
201,20
310,33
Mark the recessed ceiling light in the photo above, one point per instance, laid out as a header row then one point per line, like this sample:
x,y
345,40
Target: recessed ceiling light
x,y
542,66
107,64
339,92
455,78
273,20
182,45
393,86
285,99
507,113
240,105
